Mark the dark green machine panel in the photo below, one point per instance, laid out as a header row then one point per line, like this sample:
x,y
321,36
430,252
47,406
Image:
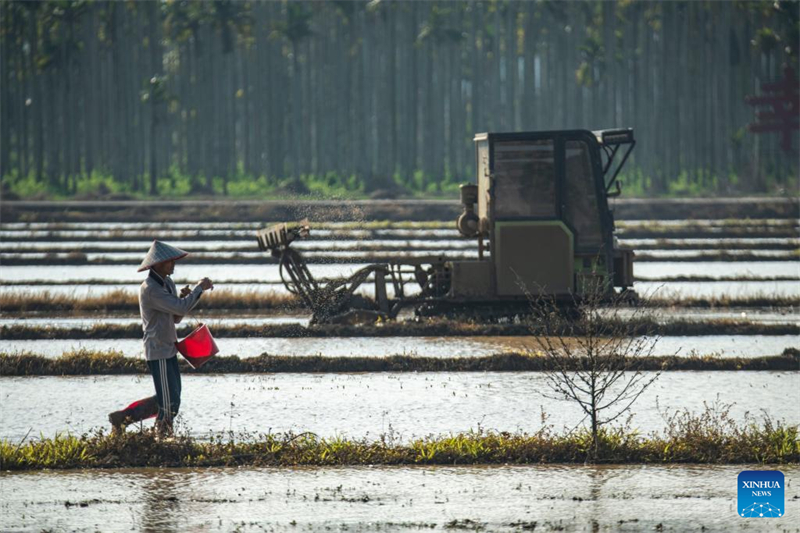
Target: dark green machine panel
x,y
533,255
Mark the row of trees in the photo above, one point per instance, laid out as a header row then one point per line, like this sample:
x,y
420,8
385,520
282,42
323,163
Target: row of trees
x,y
381,90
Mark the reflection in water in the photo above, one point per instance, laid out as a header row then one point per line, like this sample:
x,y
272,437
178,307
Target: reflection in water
x,y
162,508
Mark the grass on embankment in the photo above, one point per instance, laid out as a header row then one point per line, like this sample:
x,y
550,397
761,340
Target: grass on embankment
x,y
93,363
651,224
725,302
428,328
423,231
121,301
80,258
127,301
245,281
340,242
710,437
718,256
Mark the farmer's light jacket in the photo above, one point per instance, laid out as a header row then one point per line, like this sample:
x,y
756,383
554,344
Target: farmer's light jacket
x,y
159,304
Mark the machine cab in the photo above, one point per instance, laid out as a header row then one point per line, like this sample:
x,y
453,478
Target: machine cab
x,y
542,205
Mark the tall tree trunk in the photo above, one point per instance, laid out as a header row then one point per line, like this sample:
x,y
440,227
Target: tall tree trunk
x,y
155,72
5,95
38,101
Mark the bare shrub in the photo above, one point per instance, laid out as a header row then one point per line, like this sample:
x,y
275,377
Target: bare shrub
x,y
596,351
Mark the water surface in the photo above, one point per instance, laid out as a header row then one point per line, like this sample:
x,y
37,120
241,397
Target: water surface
x,y
407,405
364,499
477,346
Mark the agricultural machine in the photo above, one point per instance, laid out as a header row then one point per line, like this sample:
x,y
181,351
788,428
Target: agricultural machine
x,y
541,223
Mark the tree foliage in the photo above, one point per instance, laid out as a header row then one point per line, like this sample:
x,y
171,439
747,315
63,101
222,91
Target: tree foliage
x,y
388,94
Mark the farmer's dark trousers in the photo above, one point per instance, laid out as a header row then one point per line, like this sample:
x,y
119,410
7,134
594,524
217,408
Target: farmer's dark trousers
x,y
167,379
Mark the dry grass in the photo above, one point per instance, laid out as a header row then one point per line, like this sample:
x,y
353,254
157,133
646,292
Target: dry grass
x,y
126,301
428,328
85,362
243,281
131,282
676,232
718,256
121,301
680,244
724,302
384,256
721,228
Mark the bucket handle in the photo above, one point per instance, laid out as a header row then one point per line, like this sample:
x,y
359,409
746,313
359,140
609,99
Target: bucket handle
x,y
195,322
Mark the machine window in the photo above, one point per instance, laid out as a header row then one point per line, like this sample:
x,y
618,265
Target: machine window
x,y
524,174
582,212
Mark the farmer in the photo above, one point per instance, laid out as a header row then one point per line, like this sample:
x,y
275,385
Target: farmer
x,y
161,308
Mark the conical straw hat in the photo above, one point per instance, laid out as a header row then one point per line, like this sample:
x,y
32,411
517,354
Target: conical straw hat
x,y
160,252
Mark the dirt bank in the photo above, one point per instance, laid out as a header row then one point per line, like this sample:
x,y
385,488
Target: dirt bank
x,y
37,303
435,328
690,439
90,364
80,258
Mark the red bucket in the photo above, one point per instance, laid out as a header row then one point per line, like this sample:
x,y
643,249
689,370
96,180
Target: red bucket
x,y
198,346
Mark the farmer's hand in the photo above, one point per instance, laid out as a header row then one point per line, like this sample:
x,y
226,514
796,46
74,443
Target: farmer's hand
x,y
206,284
186,291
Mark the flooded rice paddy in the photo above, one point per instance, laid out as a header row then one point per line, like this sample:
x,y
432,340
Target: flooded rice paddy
x,y
368,405
760,259
475,346
362,499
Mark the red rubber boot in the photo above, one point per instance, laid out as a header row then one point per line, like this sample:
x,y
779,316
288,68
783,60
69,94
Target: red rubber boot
x,y
135,412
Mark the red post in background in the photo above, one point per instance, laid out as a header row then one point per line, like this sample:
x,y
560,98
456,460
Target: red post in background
x,y
782,100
